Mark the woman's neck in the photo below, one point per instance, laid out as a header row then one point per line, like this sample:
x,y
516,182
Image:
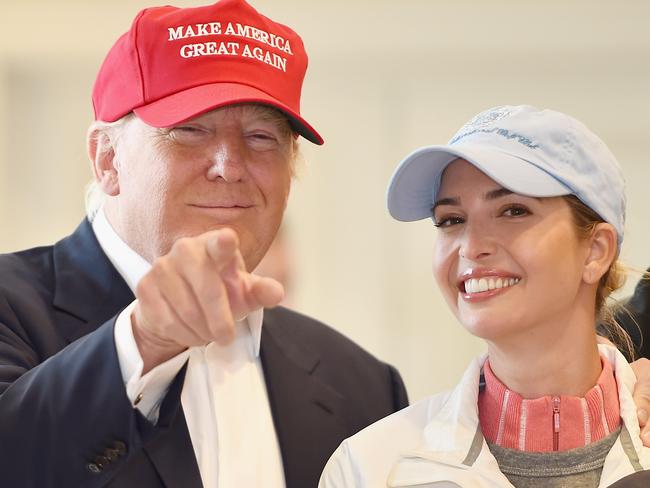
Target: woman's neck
x,y
554,359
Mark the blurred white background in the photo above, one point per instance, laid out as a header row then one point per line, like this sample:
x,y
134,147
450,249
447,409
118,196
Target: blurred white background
x,y
385,77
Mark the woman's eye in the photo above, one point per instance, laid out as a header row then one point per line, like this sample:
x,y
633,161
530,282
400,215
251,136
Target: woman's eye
x,y
448,221
515,211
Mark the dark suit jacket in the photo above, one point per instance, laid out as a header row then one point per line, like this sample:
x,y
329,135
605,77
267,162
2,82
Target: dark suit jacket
x,y
65,420
636,480
635,318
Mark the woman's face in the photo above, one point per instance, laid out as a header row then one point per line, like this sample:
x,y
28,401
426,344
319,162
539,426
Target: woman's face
x,y
506,263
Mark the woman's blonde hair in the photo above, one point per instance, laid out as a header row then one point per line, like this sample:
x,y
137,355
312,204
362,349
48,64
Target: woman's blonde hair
x,y
586,220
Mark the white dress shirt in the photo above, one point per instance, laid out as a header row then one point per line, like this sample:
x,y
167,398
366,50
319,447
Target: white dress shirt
x,y
224,396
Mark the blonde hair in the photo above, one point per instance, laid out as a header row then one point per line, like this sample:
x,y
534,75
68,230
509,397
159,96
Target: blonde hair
x,y
112,131
586,220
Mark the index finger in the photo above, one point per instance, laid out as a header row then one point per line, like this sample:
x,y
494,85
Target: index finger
x,y
221,246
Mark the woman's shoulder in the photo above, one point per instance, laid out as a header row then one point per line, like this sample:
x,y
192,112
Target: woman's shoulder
x,y
405,425
371,453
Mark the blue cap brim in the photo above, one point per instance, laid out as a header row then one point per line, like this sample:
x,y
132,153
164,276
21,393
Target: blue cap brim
x,y
414,186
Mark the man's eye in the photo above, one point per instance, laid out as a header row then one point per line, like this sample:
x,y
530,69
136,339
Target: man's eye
x,y
515,211
262,135
187,129
448,221
188,134
262,141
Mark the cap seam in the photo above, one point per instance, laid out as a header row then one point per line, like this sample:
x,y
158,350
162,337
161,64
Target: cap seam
x,y
136,39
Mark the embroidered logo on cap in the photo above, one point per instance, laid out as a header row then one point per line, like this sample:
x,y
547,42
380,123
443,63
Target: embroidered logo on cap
x,y
484,123
232,48
486,118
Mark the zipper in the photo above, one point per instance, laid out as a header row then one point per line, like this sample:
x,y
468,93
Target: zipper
x,y
556,423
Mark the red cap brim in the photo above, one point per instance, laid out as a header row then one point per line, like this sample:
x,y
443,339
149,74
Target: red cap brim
x,y
192,102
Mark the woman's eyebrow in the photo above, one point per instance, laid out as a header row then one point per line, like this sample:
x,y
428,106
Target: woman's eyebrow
x,y
445,201
498,193
491,195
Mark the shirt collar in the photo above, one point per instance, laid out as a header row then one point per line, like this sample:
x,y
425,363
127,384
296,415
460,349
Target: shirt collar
x,y
132,267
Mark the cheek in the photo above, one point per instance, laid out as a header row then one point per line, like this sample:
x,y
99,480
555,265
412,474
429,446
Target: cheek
x,y
445,262
556,256
274,181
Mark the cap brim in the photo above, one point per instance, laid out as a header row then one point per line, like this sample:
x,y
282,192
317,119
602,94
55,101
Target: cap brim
x,y
182,106
414,186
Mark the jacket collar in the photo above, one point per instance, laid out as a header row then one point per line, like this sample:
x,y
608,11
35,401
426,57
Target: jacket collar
x,y
308,413
452,436
86,285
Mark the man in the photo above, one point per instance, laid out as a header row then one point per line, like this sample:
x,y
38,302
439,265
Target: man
x,y
135,352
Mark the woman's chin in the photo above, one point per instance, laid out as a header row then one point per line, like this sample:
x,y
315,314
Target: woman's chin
x,y
489,328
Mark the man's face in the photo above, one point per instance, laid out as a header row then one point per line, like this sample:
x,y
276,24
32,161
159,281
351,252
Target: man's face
x,y
230,167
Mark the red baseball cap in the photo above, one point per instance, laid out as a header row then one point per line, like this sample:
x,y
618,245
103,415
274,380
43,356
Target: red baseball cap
x,y
177,63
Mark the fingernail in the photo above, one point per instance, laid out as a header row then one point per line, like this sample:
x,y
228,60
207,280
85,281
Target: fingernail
x,y
642,414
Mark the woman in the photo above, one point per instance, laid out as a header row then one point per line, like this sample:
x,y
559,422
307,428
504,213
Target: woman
x,y
530,207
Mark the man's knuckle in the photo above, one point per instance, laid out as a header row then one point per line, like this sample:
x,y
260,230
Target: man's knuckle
x,y
183,246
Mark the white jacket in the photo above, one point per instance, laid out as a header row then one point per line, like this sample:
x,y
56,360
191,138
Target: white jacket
x,y
437,442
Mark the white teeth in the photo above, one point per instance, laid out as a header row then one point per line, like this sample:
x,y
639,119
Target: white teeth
x,y
479,285
473,286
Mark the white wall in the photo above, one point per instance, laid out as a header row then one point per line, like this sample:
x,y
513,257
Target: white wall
x,y
385,77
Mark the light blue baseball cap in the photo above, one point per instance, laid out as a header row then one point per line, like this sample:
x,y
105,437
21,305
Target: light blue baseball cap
x,y
538,153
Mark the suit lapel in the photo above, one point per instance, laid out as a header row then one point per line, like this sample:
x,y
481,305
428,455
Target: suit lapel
x,y
307,412
89,290
86,285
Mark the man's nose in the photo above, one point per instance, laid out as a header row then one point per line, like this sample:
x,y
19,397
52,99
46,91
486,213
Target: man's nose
x,y
477,241
227,161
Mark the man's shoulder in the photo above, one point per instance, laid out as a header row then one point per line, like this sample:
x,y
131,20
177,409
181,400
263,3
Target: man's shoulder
x,y
34,272
313,333
372,386
27,266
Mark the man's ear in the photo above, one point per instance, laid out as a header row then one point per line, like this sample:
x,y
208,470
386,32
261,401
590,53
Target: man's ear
x,y
602,252
102,157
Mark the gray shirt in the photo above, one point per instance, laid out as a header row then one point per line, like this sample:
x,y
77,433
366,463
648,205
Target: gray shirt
x,y
575,468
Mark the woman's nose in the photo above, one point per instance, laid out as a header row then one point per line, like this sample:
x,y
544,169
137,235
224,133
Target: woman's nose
x,y
476,242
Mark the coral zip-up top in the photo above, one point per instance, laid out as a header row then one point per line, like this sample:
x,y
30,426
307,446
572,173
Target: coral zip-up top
x,y
549,423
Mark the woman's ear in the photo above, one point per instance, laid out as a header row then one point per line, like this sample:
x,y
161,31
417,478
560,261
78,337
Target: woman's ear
x,y
602,252
102,157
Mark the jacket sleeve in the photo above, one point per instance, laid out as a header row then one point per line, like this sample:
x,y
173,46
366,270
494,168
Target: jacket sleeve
x,y
67,421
